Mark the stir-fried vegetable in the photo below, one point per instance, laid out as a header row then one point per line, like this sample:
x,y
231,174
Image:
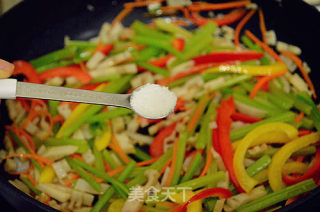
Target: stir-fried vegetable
x,y
245,129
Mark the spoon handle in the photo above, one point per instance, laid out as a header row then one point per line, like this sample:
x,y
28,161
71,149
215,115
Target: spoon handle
x,y
39,91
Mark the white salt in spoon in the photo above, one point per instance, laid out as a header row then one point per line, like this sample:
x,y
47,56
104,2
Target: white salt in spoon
x,y
149,101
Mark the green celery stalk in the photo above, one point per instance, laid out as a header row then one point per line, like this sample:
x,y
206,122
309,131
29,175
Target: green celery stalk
x,y
202,181
231,82
307,123
141,155
259,165
102,117
254,103
148,53
181,81
182,143
52,57
193,168
203,136
140,179
106,78
315,114
196,49
107,156
84,174
173,28
153,68
121,188
98,162
247,42
53,107
102,201
81,144
211,76
161,44
283,117
83,54
278,196
116,86
27,182
142,29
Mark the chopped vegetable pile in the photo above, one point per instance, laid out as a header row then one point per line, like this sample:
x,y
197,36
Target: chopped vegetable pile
x,y
243,136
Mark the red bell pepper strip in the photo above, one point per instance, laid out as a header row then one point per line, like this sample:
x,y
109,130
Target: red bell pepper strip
x,y
304,132
105,49
156,148
24,68
178,43
229,18
311,173
67,71
244,118
224,122
194,70
225,56
222,193
161,62
215,140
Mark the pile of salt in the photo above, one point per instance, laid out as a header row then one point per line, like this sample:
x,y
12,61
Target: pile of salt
x,y
153,101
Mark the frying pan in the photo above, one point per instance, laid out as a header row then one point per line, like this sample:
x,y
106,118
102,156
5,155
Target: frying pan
x,y
36,27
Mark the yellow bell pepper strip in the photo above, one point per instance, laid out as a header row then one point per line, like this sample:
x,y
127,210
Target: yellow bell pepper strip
x,y
295,167
183,197
116,206
257,136
47,175
103,141
78,111
279,159
275,137
253,70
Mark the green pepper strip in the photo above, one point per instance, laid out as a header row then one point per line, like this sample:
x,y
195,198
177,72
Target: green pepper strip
x,y
109,159
52,57
240,133
141,155
30,185
203,136
17,141
111,191
84,174
259,165
278,196
119,187
116,86
81,144
193,168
